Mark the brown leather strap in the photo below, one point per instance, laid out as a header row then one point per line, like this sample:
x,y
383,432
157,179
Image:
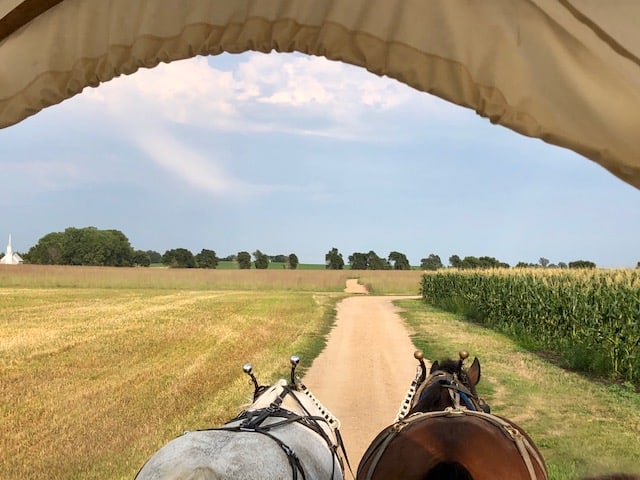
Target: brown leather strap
x,y
525,448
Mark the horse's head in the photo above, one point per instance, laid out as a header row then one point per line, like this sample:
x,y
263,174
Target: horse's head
x,y
448,384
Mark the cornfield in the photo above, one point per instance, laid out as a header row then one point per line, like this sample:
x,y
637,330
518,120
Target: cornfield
x,y
588,318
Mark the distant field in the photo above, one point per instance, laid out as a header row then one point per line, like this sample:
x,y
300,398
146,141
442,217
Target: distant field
x,y
319,280
171,278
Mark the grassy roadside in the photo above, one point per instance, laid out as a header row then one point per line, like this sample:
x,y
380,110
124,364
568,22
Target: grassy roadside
x,y
95,380
582,427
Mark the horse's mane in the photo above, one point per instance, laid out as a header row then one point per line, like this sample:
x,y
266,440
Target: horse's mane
x,y
448,365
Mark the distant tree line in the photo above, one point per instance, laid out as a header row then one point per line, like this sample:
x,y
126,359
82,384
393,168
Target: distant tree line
x,y
91,246
398,261
366,261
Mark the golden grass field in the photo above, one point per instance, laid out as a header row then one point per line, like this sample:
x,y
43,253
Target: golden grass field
x,y
100,366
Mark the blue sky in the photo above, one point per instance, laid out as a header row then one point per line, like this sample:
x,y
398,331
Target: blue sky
x,y
297,154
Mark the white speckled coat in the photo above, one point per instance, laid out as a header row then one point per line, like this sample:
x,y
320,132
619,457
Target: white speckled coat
x,y
222,454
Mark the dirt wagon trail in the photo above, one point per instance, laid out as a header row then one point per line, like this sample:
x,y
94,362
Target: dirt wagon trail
x,y
365,370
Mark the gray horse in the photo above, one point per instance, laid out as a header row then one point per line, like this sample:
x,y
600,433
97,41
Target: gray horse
x,y
285,433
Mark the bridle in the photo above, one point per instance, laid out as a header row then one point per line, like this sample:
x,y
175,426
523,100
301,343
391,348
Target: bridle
x,y
460,394
459,390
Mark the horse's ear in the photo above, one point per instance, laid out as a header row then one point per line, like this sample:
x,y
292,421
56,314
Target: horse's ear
x,y
473,374
435,366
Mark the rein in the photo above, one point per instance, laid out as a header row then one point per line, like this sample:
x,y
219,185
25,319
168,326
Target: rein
x,y
459,392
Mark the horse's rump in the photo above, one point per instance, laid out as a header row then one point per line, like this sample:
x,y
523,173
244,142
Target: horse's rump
x,y
484,445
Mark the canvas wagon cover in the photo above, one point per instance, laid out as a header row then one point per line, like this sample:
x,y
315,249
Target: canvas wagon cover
x,y
564,71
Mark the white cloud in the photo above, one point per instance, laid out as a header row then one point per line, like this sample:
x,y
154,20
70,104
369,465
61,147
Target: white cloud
x,y
187,164
335,97
201,171
291,94
183,92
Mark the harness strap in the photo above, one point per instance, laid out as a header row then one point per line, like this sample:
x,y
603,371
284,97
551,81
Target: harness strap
x,y
315,426
252,421
332,422
293,459
379,448
344,453
524,446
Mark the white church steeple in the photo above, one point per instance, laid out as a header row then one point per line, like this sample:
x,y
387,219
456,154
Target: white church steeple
x,y
10,258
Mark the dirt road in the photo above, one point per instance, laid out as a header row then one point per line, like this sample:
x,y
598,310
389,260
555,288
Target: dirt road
x,y
365,370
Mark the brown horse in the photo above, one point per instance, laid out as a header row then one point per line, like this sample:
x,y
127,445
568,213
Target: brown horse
x,y
445,431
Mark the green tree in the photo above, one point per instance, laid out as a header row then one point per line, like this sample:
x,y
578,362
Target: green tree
x,y
484,263
117,250
525,265
244,260
455,261
80,247
179,258
374,262
155,257
333,260
582,264
400,261
83,246
292,261
140,259
261,260
358,261
544,262
433,262
48,250
206,259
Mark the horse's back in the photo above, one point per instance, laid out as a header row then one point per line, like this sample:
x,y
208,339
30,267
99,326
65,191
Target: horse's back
x,y
422,447
220,454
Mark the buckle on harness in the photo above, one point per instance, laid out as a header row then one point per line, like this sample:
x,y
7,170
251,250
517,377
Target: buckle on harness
x,y
288,450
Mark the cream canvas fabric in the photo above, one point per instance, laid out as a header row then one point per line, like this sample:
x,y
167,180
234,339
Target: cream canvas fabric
x,y
564,71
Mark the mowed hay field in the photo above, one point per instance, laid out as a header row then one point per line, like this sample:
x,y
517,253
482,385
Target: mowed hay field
x,y
100,366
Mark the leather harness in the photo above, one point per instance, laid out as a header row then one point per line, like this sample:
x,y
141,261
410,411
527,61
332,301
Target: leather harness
x,y
253,421
464,402
524,446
